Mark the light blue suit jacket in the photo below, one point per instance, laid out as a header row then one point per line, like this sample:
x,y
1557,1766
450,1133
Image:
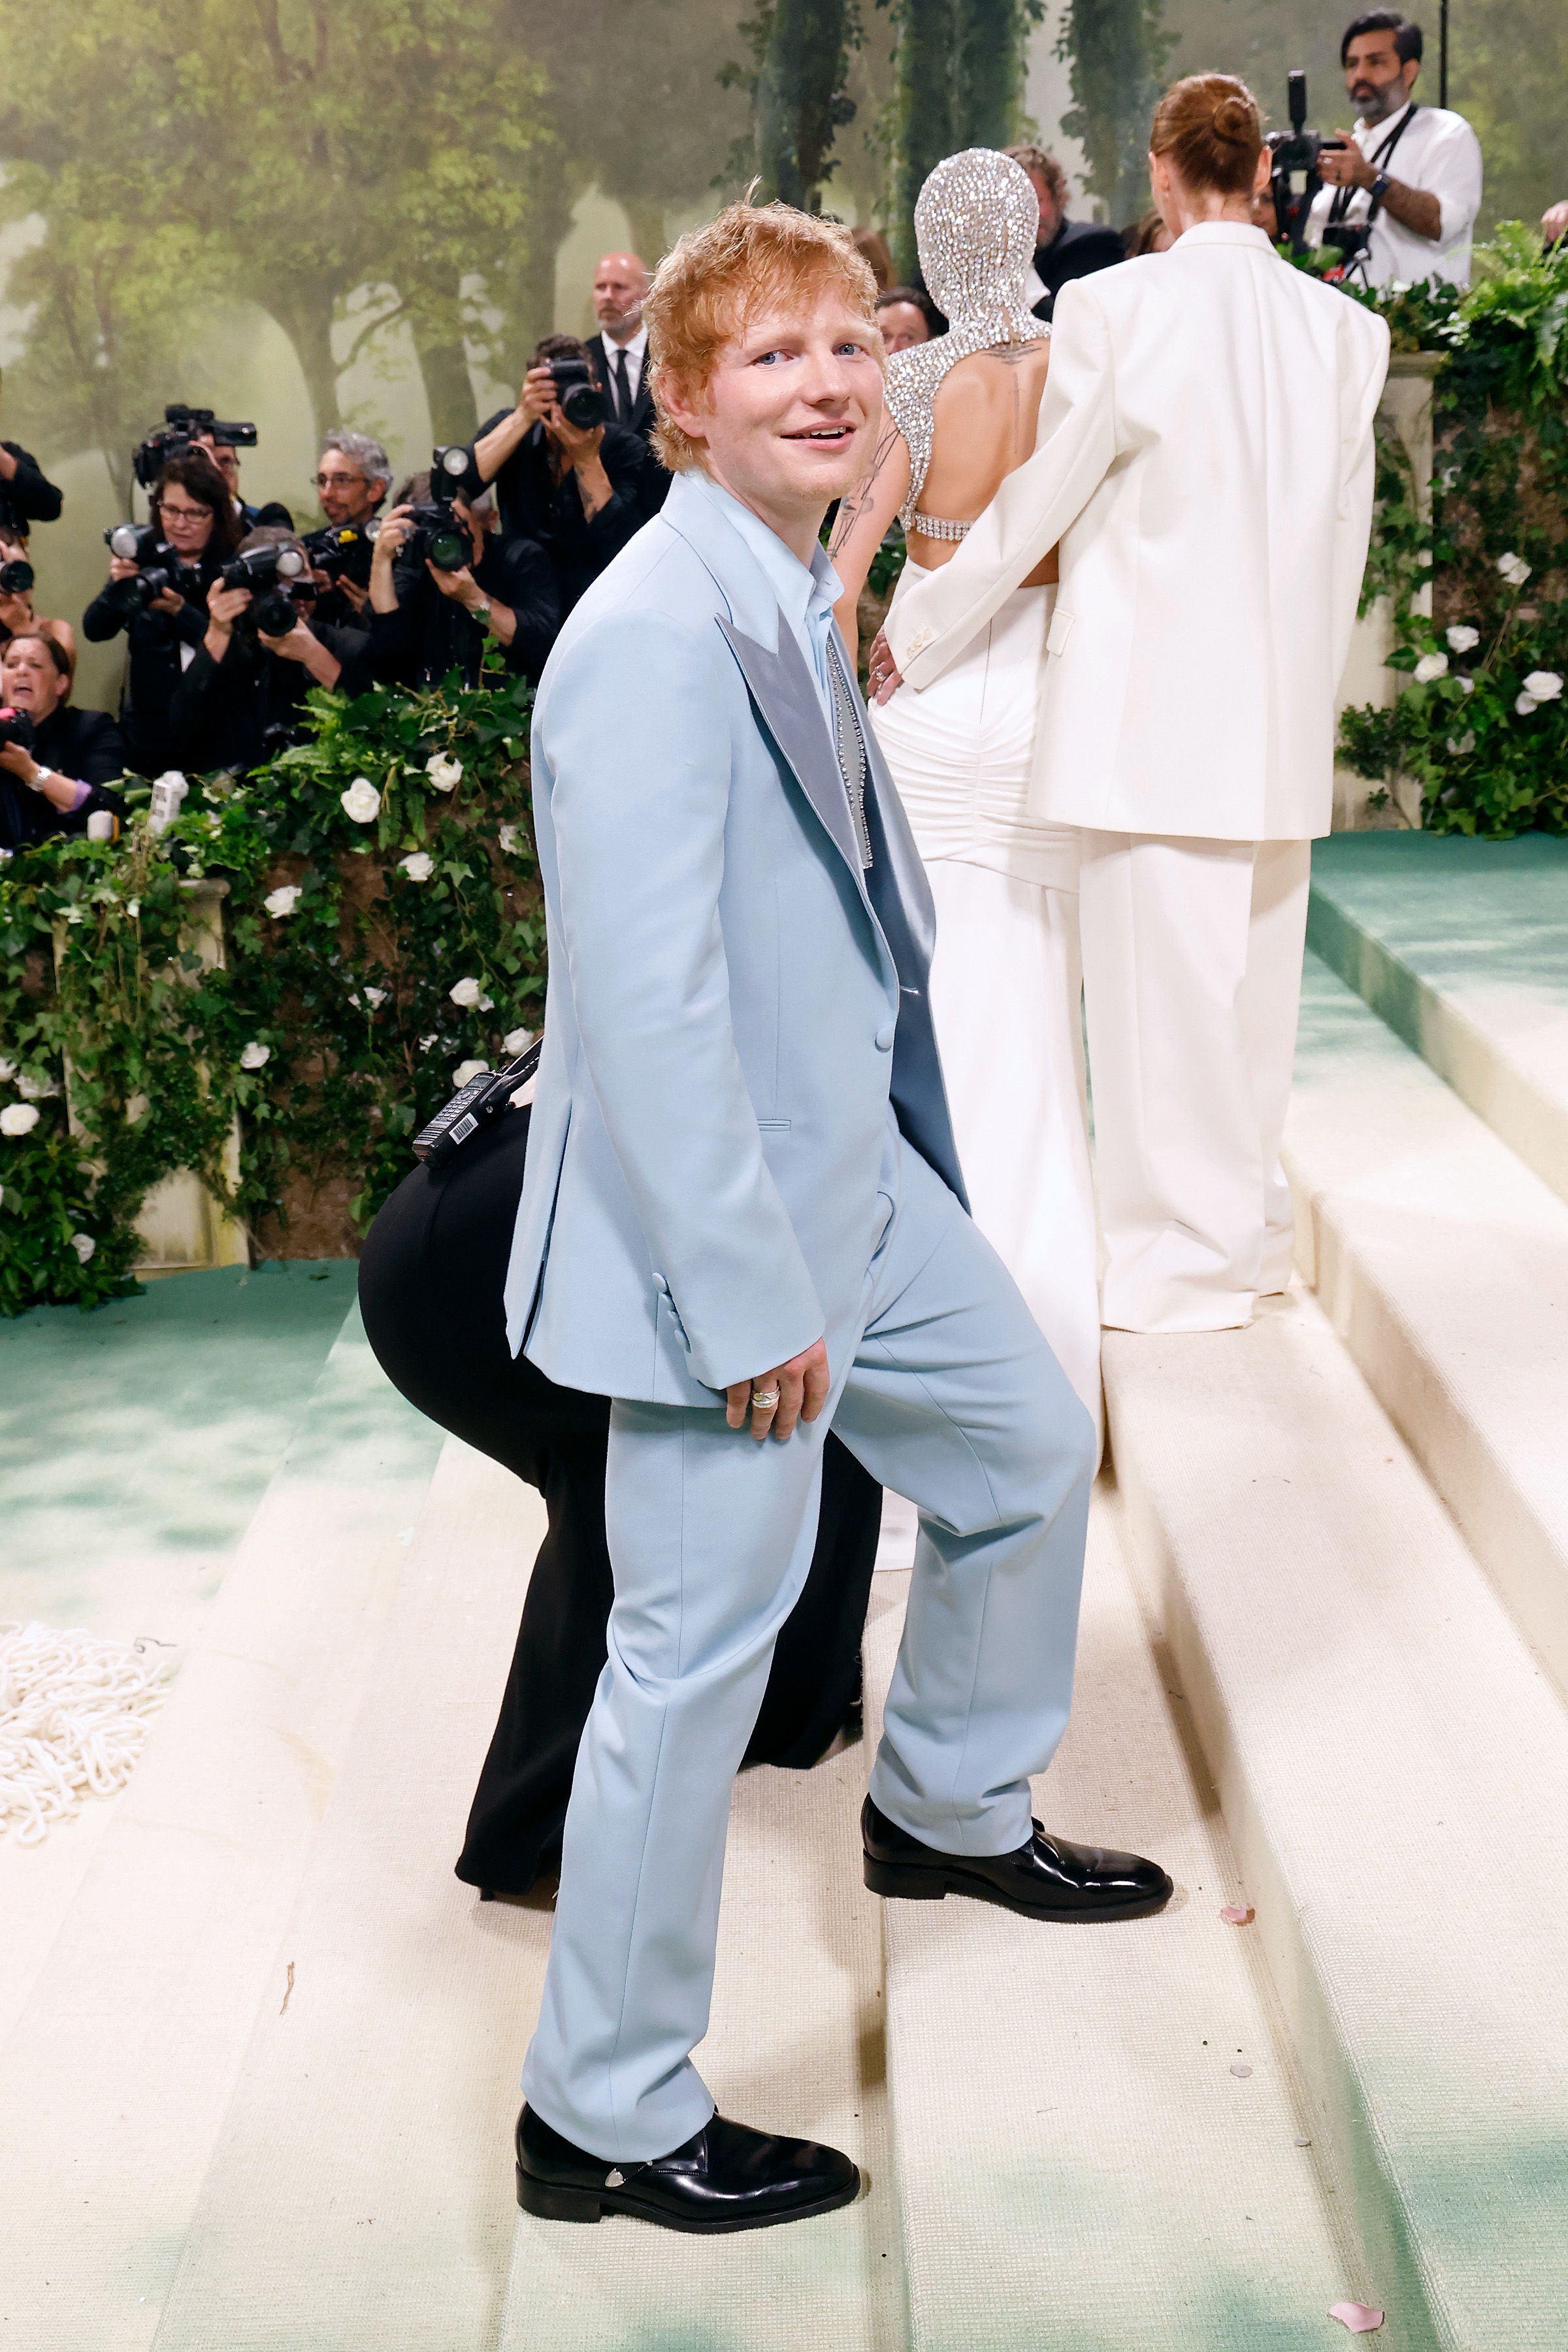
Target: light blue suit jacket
x,y
732,1002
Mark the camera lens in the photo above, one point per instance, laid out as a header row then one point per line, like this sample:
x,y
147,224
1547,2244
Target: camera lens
x,y
15,578
448,549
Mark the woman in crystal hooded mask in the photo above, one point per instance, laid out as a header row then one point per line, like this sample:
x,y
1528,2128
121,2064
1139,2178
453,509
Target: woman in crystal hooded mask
x,y
1006,979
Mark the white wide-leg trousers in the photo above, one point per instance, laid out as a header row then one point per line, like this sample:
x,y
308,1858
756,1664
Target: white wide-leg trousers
x,y
945,1389
1192,958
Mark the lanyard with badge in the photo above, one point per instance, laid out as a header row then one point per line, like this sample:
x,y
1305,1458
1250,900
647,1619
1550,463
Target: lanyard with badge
x,y
1354,238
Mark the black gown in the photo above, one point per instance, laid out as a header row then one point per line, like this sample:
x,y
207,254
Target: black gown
x,y
430,1288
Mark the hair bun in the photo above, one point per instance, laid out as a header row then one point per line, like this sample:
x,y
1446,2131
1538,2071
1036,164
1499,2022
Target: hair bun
x,y
1234,121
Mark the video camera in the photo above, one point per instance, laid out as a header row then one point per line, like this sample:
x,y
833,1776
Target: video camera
x,y
16,726
1297,149
157,567
16,577
344,552
279,583
437,534
577,396
178,434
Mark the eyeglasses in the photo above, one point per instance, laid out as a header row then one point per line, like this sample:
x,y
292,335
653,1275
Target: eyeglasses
x,y
334,481
182,514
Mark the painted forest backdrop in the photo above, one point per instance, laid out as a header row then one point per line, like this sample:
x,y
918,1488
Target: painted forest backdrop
x,y
306,212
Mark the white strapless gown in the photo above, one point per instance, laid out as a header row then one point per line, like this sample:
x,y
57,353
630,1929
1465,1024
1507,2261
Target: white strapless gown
x,y
1006,982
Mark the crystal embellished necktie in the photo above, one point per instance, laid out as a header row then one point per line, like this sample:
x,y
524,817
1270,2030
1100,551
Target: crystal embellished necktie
x,y
850,749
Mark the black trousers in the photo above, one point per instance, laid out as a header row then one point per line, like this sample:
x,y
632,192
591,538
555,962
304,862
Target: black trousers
x,y
430,1292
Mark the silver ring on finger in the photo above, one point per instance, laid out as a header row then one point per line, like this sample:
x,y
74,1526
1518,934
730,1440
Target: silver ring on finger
x,y
767,1398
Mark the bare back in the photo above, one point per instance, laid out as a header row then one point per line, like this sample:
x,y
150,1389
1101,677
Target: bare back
x,y
986,414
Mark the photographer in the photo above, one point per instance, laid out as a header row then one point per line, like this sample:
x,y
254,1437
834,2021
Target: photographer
x,y
580,491
194,519
25,496
260,654
1409,176
19,616
54,781
354,475
426,619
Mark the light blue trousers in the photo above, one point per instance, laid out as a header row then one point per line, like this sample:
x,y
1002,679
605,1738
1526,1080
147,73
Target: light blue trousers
x,y
946,1391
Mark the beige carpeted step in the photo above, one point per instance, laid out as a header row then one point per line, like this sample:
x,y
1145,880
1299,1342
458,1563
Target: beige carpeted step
x,y
117,2072
1442,1261
1096,2130
1394,1766
360,2194
795,2044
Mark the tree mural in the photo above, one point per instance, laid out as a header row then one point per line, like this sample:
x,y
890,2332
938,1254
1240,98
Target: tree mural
x,y
1117,52
959,77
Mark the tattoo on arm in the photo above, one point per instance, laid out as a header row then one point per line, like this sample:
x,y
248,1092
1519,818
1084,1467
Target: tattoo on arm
x,y
854,505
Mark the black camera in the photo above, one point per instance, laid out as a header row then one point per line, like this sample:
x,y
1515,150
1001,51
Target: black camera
x,y
157,567
279,583
438,535
577,396
16,726
1297,149
178,434
16,577
344,552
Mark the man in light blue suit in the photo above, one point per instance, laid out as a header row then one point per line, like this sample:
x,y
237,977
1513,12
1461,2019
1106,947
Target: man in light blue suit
x,y
743,1219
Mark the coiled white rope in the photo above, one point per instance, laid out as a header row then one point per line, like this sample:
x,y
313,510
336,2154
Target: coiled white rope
x,y
74,1712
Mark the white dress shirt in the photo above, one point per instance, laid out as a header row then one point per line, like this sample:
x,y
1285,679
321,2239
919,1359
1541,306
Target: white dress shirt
x,y
636,354
1440,154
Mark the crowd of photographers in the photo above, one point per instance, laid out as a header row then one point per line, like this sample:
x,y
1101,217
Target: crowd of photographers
x,y
229,616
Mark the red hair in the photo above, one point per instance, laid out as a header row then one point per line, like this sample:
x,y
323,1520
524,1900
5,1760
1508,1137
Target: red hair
x,y
1209,128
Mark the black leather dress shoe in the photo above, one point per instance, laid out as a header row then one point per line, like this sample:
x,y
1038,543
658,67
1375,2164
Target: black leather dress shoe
x,y
726,2177
1046,1879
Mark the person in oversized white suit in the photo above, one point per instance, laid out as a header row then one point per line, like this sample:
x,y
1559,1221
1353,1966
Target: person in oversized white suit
x,y
1205,458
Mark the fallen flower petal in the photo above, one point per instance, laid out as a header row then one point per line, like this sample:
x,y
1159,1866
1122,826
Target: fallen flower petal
x,y
1240,1914
1241,2070
1359,2318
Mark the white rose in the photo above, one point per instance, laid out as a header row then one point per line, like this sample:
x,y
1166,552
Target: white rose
x,y
506,835
282,901
374,996
18,1119
7,1070
1514,569
255,1056
516,1042
1545,685
467,1070
444,773
1525,704
1465,685
37,1089
1429,666
1461,637
425,1043
361,801
84,1245
417,864
486,1004
464,992
1465,746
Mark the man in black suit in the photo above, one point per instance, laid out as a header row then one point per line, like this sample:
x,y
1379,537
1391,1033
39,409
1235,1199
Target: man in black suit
x,y
1064,249
619,349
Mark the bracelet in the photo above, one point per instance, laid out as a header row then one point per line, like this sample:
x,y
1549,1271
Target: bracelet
x,y
36,784
1380,187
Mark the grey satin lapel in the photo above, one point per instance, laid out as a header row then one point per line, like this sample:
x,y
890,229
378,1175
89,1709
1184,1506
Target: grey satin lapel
x,y
783,692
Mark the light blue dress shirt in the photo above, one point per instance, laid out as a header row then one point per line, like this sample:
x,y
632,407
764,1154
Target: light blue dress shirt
x,y
806,597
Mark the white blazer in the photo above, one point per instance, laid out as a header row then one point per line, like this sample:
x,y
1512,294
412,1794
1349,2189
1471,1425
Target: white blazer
x,y
1205,458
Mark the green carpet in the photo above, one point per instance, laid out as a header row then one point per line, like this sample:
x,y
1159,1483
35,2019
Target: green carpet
x,y
135,1440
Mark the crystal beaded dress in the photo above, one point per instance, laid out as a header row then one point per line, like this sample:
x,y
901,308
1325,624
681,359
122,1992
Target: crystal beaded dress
x,y
1006,980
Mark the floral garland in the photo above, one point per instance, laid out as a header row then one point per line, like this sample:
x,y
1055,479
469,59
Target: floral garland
x,y
384,938
1482,728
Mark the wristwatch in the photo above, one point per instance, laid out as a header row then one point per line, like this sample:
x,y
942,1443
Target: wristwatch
x,y
36,780
1380,187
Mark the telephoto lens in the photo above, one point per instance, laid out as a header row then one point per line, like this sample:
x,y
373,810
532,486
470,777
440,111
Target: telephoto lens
x,y
16,726
578,397
16,577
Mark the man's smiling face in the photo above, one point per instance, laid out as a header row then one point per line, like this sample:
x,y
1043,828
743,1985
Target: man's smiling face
x,y
786,417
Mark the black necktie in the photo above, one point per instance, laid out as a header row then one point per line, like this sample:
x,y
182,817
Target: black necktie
x,y
623,388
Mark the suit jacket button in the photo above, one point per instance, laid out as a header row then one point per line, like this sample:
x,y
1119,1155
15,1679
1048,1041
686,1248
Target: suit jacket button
x,y
885,1038
661,1284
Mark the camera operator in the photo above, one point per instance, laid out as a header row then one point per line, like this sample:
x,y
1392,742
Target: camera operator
x,y
193,516
580,491
260,654
225,457
427,620
25,496
354,475
19,615
53,783
1409,175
